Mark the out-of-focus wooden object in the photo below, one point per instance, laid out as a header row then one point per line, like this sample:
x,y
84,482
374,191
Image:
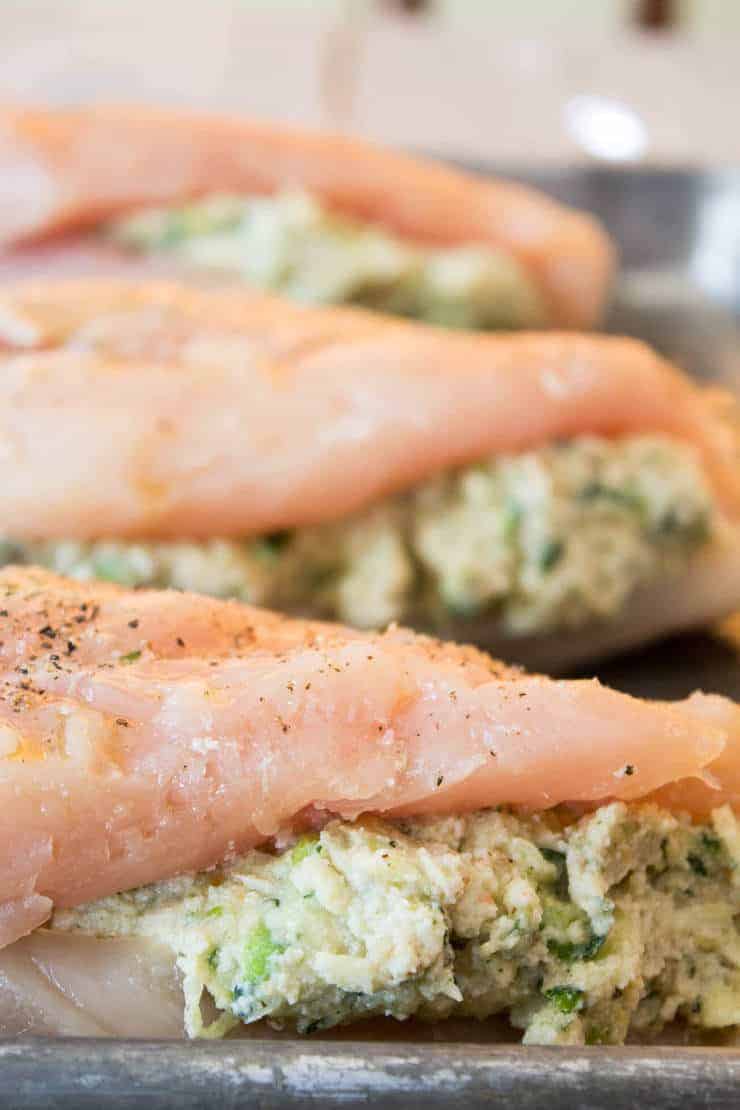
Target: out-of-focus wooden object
x,y
657,15
469,78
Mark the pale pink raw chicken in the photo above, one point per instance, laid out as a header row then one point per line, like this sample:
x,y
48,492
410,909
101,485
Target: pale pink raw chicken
x,y
177,412
66,172
146,734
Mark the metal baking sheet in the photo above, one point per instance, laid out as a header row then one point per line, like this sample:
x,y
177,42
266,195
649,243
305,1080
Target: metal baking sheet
x,y
680,289
265,1076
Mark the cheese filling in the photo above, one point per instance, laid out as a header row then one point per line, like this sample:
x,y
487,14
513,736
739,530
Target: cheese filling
x,y
580,931
560,537
291,244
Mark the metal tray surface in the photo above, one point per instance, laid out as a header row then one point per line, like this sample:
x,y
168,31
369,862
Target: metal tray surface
x,y
679,239
91,1075
679,234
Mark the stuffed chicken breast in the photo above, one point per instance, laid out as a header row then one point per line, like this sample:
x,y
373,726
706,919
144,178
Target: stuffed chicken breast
x,y
557,496
212,806
316,217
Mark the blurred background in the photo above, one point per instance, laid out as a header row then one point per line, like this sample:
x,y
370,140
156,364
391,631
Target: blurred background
x,y
539,82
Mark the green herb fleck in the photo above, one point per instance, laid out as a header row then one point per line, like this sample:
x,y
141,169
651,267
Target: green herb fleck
x,y
560,886
271,546
568,951
690,531
258,949
565,999
511,518
598,491
551,554
697,864
303,847
112,568
460,606
212,959
215,911
175,229
131,657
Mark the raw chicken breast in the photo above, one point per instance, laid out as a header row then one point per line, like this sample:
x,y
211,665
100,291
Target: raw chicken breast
x,y
63,171
146,734
174,412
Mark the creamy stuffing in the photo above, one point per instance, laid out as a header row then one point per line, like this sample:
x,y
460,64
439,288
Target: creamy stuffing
x,y
292,244
558,537
581,931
